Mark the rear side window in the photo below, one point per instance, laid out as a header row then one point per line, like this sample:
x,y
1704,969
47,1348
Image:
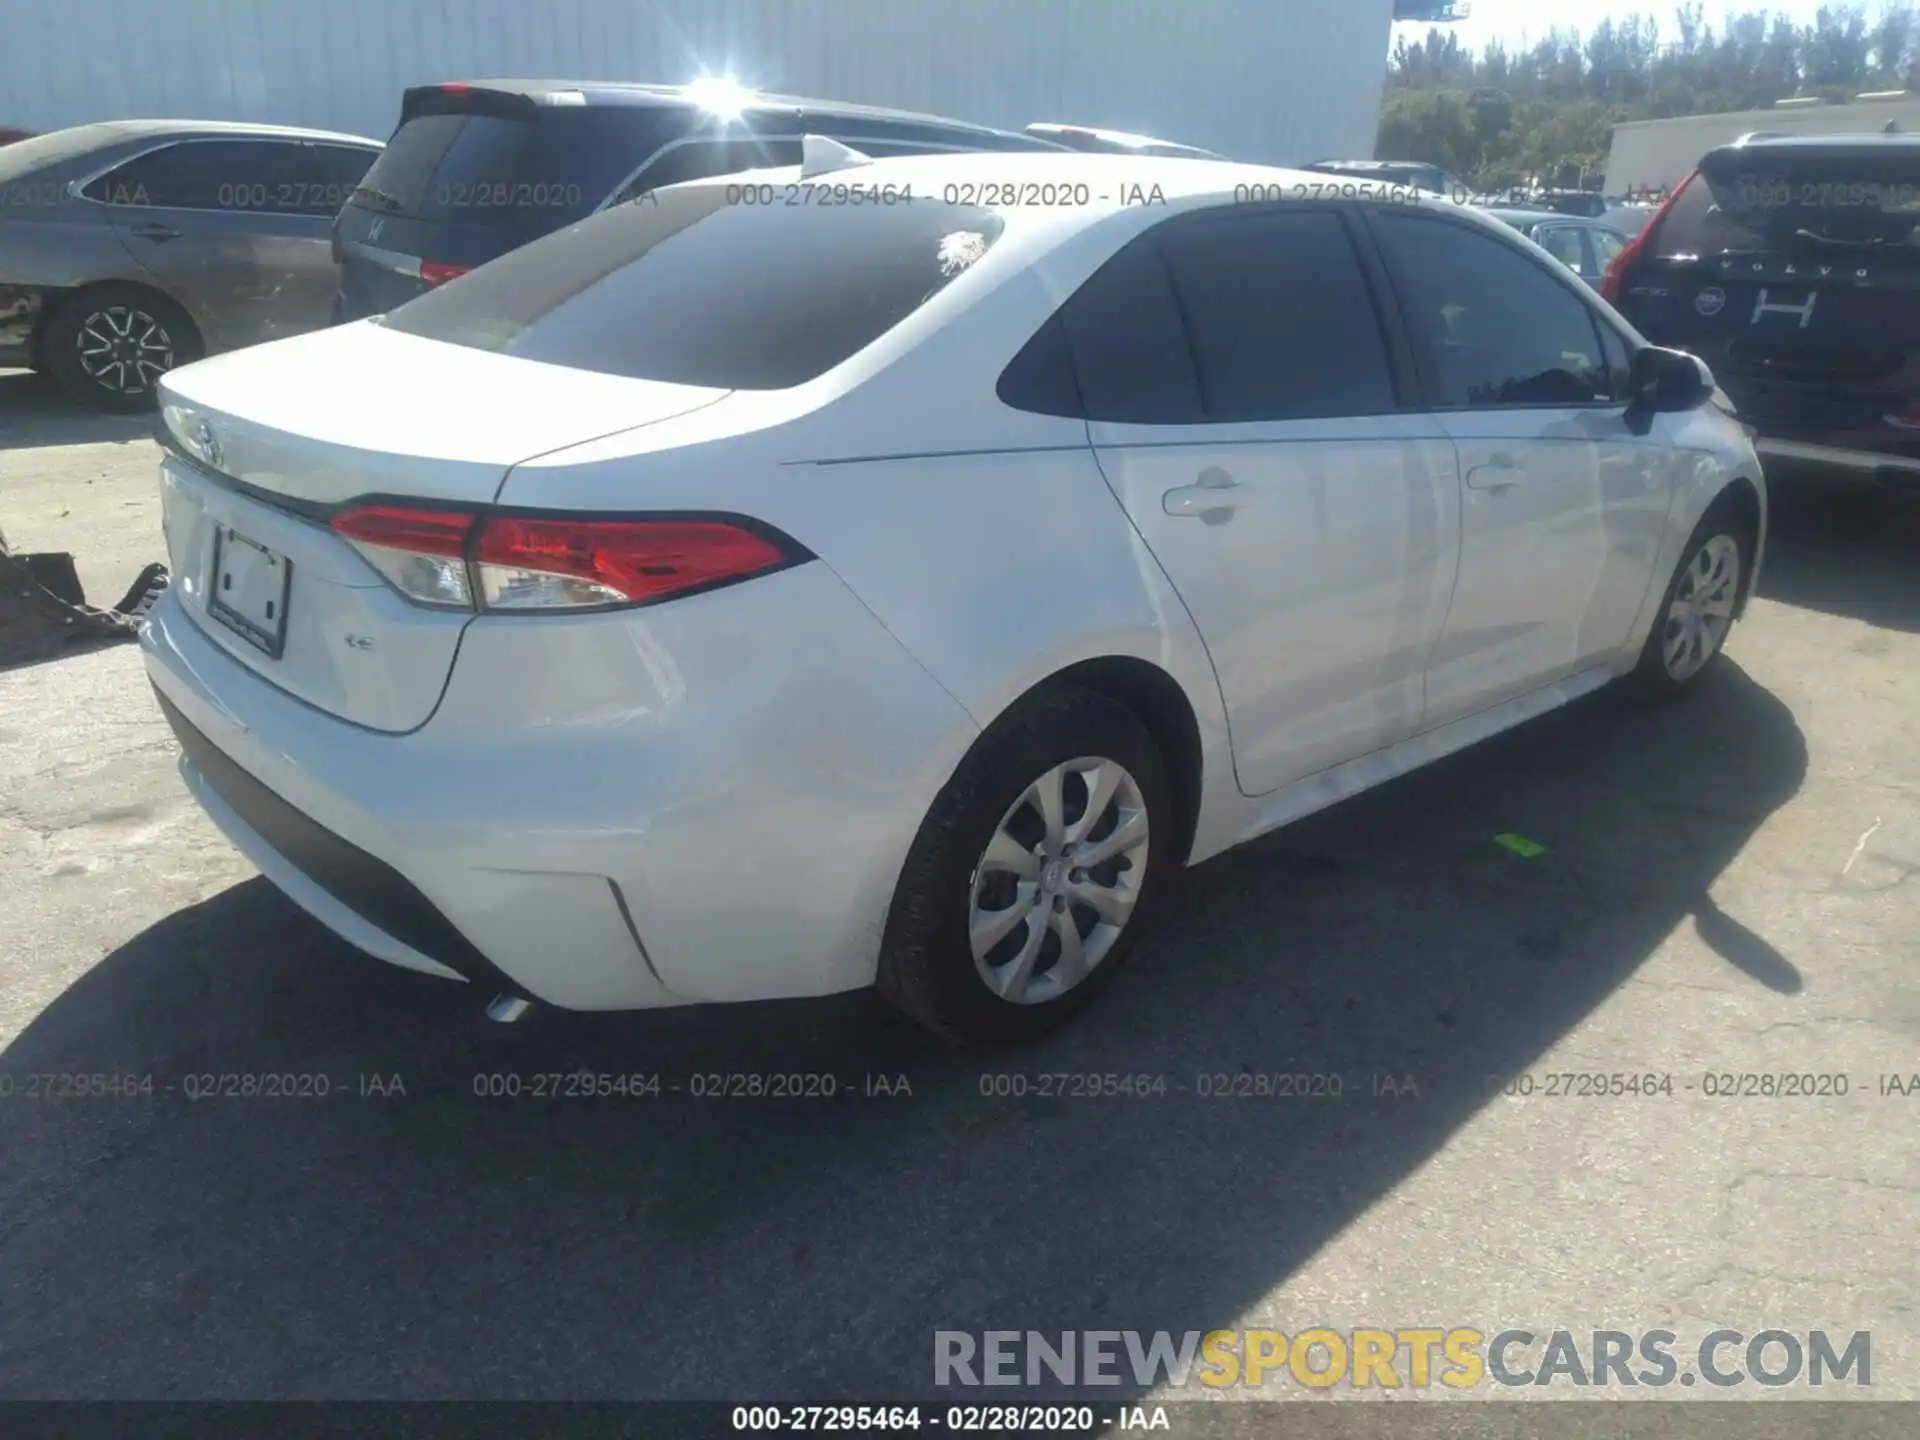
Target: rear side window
x,y
696,291
1280,319
535,173
1233,318
338,169
1497,329
1778,201
268,176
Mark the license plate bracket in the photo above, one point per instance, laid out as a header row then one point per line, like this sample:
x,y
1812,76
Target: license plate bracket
x,y
250,589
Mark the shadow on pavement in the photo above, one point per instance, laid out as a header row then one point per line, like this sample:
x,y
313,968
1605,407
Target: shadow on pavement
x,y
1843,550
439,1244
33,411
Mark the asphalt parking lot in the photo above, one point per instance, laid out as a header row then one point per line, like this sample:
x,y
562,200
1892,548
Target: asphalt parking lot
x,y
1727,888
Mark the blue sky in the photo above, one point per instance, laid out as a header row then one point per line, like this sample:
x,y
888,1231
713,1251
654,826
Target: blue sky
x,y
1518,21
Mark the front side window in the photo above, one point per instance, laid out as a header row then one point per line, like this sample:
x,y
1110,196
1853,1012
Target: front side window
x,y
693,290
1495,327
264,176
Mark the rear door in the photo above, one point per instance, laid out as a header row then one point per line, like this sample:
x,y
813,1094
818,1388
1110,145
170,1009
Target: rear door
x,y
1563,505
232,229
1793,270
1244,404
470,174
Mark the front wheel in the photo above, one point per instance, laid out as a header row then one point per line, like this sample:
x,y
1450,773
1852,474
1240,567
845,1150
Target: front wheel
x,y
1027,883
1696,612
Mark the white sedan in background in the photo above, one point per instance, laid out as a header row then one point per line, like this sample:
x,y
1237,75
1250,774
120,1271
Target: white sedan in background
x,y
894,580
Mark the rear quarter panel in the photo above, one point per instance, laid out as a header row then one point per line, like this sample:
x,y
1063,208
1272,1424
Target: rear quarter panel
x,y
985,539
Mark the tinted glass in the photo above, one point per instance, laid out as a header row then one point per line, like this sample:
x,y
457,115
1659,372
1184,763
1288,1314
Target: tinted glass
x,y
693,290
518,173
1496,327
1279,317
337,169
249,175
1129,348
1778,200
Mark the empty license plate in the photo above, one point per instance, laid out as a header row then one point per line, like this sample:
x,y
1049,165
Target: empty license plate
x,y
250,588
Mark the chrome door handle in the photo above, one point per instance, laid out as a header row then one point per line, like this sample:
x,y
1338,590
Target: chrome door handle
x,y
1216,494
156,232
1499,473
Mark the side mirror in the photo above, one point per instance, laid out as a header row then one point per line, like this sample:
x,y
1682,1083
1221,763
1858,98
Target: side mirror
x,y
1666,382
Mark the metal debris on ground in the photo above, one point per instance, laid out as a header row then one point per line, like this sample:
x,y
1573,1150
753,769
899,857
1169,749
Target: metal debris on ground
x,y
44,609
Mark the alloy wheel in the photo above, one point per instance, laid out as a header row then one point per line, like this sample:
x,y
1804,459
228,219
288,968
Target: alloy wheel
x,y
1057,883
1702,610
124,349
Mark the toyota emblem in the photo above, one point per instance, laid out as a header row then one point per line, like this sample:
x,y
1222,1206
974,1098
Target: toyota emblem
x,y
208,445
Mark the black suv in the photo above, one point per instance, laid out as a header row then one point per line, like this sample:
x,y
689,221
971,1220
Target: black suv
x,y
1791,265
475,170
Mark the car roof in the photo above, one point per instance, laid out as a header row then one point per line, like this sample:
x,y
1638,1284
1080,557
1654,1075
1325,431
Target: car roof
x,y
625,92
112,131
1375,165
1113,182
1511,216
1115,137
1864,142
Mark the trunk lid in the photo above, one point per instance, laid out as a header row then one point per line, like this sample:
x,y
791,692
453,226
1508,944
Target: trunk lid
x,y
1793,271
266,444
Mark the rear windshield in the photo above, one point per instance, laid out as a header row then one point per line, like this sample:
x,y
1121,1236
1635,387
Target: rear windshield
x,y
687,288
520,173
24,157
1775,202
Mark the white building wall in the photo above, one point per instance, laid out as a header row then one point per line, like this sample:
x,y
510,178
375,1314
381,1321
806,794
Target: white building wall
x,y
1272,80
1658,154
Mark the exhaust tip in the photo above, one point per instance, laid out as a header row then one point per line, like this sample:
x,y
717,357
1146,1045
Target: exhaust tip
x,y
506,1009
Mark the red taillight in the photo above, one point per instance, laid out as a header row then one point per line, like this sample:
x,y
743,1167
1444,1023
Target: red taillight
x,y
435,557
435,273
1614,280
425,532
454,88
530,563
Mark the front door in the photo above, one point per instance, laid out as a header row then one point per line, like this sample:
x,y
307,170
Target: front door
x,y
1563,504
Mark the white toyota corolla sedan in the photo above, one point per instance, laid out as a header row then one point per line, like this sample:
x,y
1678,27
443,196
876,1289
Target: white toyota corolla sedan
x,y
889,572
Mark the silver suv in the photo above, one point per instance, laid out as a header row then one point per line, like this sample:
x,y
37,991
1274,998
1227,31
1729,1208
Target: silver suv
x,y
132,246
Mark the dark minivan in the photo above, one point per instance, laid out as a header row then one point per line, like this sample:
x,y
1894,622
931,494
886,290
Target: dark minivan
x,y
475,170
1791,265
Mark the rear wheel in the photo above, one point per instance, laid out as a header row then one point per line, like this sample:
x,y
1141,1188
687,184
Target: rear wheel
x,y
1696,613
1026,887
109,345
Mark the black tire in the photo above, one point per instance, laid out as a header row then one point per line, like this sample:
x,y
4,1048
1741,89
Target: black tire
x,y
157,330
927,966
1653,677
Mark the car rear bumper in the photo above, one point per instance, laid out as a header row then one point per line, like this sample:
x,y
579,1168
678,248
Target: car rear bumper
x,y
703,801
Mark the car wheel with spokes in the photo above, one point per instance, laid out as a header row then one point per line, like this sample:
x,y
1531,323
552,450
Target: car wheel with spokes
x,y
1027,884
109,346
1697,611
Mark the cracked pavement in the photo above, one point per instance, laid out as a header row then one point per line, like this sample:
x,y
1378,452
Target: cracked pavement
x,y
1724,893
